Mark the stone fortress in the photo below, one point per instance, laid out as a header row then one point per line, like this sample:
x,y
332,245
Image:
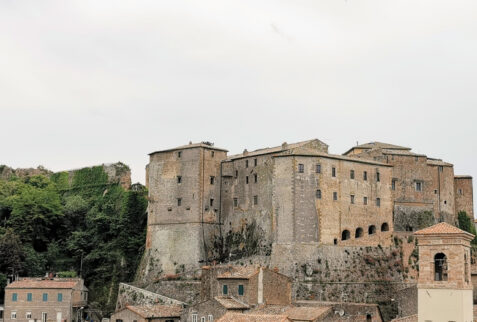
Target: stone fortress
x,y
282,204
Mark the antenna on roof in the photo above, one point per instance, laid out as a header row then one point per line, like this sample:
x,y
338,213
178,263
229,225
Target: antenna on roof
x,y
357,143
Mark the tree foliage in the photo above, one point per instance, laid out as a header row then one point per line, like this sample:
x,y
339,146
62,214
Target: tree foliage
x,y
467,224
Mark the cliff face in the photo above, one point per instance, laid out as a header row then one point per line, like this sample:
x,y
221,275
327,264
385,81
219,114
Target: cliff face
x,y
117,173
7,173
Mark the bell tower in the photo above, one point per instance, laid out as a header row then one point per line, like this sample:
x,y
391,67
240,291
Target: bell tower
x,y
444,284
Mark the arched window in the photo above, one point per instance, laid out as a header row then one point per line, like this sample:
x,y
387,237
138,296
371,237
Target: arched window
x,y
368,318
372,230
345,235
440,267
385,227
358,233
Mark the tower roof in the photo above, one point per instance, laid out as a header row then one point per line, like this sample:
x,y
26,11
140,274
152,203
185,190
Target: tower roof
x,y
378,145
442,228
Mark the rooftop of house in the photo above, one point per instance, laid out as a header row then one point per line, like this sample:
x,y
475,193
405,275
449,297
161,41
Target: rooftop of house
x,y
438,162
302,313
204,144
282,148
240,317
441,228
378,145
239,272
231,303
44,283
310,153
463,177
156,311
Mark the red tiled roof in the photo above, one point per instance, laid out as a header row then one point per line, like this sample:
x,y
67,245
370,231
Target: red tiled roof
x,y
39,283
231,303
239,272
239,317
156,311
307,313
441,228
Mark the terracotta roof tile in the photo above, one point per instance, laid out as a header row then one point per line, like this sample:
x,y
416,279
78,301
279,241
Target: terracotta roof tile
x,y
302,313
239,317
231,303
239,272
377,145
441,228
40,283
191,146
156,311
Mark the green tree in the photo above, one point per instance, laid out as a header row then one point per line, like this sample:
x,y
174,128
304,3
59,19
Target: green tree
x,y
11,253
465,223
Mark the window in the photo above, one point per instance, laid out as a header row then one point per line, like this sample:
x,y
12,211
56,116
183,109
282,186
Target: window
x,y
441,168
194,317
44,316
255,162
345,235
236,173
246,163
179,154
255,178
365,176
235,202
29,297
368,318
28,315
460,192
179,179
246,179
365,200
352,199
212,179
240,289
255,200
372,230
378,177
335,196
318,168
333,172
225,289
211,318
202,319
179,201
60,297
378,202
212,153
385,227
351,174
416,158
418,186
301,168
393,184
14,297
45,297
211,202
440,267
13,315
335,241
358,233
318,194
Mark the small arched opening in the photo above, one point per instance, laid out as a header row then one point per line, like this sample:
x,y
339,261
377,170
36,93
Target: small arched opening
x,y
368,318
385,227
358,233
440,267
345,235
372,230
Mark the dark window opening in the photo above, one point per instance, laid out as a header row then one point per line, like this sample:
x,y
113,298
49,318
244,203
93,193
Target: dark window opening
x,y
318,168
409,228
255,200
440,267
351,174
211,202
365,175
368,318
246,163
378,177
240,289
358,233
255,162
235,202
365,200
255,178
212,179
179,201
179,179
385,227
378,202
345,235
372,230
301,168
393,184
179,154
236,173
225,289
246,179
335,196
418,186
335,241
352,199
441,168
318,194
212,154
333,172
445,202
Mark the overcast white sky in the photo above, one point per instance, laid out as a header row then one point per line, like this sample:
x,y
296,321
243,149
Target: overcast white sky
x,y
87,82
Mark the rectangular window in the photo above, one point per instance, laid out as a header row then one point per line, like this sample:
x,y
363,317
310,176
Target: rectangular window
x,y
29,297
418,186
45,297
179,154
179,201
28,315
365,200
378,177
301,168
236,173
44,316
351,174
365,176
194,317
246,179
235,202
212,179
240,289
255,200
441,168
318,168
225,289
335,196
246,163
378,202
460,192
179,179
333,172
212,153
393,184
211,318
255,162
13,315
416,159
352,199
255,178
318,194
14,297
211,202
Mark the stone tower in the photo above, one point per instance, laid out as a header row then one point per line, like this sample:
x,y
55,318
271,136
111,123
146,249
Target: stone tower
x,y
183,209
444,285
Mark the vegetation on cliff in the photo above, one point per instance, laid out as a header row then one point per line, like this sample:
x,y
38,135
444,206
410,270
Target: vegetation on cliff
x,y
86,225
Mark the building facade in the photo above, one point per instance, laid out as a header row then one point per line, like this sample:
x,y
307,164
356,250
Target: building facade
x,y
56,299
289,199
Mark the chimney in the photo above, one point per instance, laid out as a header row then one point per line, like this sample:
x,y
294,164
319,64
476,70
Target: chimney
x,y
245,152
284,146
